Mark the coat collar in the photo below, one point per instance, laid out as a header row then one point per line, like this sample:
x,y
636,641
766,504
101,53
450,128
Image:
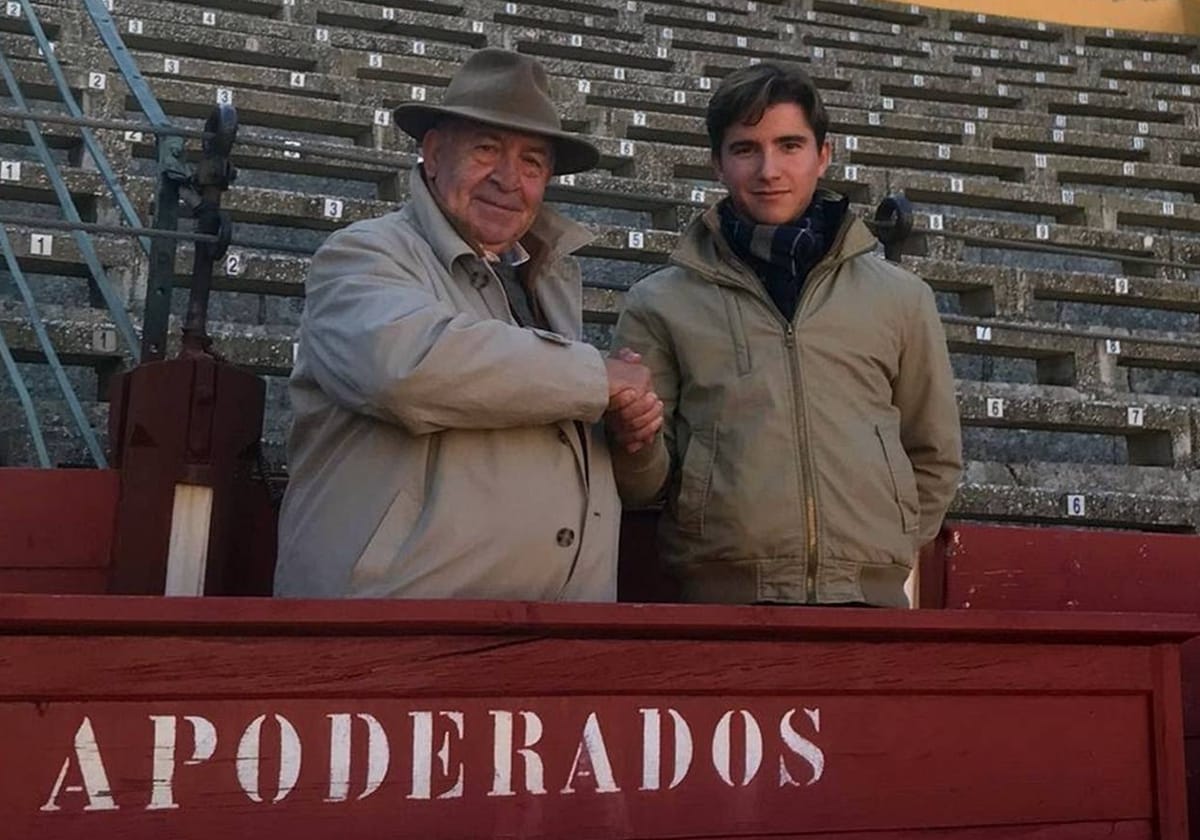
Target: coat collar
x,y
551,236
702,248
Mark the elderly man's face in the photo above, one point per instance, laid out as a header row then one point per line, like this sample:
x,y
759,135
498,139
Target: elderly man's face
x,y
490,180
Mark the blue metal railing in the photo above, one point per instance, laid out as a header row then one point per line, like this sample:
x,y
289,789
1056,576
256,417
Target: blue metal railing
x,y
124,205
161,251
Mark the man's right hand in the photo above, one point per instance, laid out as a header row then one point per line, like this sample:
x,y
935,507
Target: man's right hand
x,y
626,373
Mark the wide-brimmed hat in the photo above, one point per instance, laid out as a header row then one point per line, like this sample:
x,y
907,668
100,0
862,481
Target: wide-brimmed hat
x,y
506,90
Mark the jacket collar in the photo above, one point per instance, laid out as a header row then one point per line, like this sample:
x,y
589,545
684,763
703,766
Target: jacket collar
x,y
551,236
702,248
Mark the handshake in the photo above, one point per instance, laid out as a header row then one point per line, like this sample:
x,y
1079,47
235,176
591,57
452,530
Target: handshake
x,y
635,413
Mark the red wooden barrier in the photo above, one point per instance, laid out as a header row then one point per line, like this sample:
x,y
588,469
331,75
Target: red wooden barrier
x,y
1029,568
201,718
56,529
1023,568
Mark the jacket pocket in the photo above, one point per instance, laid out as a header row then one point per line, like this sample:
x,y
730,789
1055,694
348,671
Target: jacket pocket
x,y
904,483
737,331
695,480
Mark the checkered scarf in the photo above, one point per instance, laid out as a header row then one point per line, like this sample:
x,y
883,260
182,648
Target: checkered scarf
x,y
783,255
795,247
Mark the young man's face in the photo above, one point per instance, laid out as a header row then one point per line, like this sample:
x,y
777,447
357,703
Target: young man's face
x,y
771,168
491,181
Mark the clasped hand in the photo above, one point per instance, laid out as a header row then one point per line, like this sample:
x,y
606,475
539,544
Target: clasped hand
x,y
635,413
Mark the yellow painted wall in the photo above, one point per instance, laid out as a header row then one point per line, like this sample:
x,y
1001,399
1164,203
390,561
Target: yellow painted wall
x,y
1182,16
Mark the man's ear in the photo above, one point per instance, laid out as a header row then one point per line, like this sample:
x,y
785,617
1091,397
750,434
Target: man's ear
x,y
825,156
431,144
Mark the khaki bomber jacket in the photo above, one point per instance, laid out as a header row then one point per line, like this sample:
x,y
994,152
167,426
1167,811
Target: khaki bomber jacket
x,y
801,462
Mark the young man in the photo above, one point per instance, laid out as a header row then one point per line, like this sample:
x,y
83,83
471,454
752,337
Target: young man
x,y
443,443
811,441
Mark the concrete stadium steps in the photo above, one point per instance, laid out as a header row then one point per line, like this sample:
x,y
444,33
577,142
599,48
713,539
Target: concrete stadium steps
x,y
1011,292
945,236
60,433
1085,358
1154,431
996,129
1085,498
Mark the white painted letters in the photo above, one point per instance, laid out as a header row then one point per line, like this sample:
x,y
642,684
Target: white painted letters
x,y
721,745
502,754
802,747
592,741
652,749
249,756
91,767
422,767
378,756
204,742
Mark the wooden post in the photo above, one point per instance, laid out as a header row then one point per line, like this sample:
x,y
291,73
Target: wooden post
x,y
184,434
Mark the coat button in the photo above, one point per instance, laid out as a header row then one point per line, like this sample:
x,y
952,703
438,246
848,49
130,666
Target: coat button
x,y
565,537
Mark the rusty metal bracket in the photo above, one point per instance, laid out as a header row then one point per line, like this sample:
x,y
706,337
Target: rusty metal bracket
x,y
213,176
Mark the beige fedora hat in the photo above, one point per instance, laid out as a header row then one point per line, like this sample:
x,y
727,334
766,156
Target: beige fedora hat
x,y
506,90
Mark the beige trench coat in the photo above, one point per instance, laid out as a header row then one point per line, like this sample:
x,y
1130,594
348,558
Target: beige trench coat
x,y
435,451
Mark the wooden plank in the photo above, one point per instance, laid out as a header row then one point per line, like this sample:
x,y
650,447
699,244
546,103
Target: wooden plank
x,y
1189,666
291,617
66,581
1191,747
1025,568
178,667
1123,830
933,571
187,550
52,519
1168,745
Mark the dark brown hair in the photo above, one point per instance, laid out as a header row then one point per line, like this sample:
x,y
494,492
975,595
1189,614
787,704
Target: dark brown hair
x,y
745,94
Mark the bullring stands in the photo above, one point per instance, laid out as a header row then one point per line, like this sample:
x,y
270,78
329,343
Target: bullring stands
x,y
1055,174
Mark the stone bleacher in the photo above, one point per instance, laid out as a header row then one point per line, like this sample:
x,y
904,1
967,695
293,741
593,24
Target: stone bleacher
x,y
1078,374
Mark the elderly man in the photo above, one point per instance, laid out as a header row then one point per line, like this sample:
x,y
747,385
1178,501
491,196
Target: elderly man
x,y
445,441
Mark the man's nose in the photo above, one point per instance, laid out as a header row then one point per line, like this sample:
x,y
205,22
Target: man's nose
x,y
768,166
506,175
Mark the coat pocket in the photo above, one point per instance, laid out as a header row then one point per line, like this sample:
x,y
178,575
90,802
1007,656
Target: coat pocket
x,y
904,483
695,480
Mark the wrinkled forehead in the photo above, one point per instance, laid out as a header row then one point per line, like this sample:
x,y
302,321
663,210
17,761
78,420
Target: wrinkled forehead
x,y
473,132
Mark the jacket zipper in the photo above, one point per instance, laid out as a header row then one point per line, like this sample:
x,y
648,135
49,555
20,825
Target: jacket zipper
x,y
808,488
804,474
812,560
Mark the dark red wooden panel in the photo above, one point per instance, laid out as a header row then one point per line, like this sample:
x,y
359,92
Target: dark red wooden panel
x,y
1025,568
261,717
315,667
858,763
1124,830
56,581
56,519
141,616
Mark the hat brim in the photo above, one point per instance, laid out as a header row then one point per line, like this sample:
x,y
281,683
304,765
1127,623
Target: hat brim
x,y
571,154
